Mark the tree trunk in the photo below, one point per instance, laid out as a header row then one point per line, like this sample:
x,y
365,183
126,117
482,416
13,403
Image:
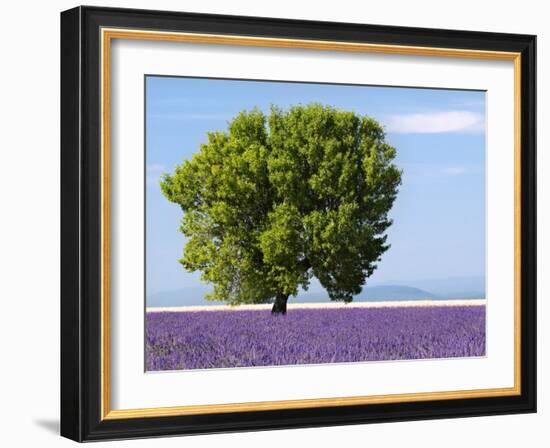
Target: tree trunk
x,y
279,306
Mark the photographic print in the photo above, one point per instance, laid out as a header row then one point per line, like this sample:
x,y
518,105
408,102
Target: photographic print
x,y
260,201
293,223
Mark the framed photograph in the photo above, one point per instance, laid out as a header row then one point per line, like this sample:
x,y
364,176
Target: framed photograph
x,y
273,223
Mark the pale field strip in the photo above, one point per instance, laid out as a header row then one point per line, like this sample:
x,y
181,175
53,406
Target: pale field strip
x,y
297,306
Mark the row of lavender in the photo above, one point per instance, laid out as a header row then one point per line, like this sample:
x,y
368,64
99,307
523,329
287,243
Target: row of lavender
x,y
219,339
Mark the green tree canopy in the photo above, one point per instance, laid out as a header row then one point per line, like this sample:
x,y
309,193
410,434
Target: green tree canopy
x,y
279,198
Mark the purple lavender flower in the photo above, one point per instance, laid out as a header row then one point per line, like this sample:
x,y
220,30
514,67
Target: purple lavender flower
x,y
219,339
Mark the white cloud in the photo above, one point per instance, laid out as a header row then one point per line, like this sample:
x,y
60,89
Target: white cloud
x,y
436,122
414,171
454,170
154,170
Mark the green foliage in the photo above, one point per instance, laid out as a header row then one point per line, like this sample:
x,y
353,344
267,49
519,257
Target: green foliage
x,y
278,199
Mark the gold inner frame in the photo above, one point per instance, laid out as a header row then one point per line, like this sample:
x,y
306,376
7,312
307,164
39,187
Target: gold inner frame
x,y
107,35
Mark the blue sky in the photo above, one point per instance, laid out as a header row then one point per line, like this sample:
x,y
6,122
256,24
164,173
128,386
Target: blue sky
x,y
439,214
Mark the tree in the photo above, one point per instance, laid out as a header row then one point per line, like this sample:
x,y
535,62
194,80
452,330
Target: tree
x,y
279,198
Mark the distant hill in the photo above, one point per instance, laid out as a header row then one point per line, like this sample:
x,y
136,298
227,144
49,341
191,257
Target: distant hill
x,y
394,292
459,287
194,296
435,289
181,297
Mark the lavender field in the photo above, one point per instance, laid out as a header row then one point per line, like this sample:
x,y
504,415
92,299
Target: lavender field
x,y
220,339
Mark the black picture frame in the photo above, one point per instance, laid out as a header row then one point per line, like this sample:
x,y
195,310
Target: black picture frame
x,y
81,224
